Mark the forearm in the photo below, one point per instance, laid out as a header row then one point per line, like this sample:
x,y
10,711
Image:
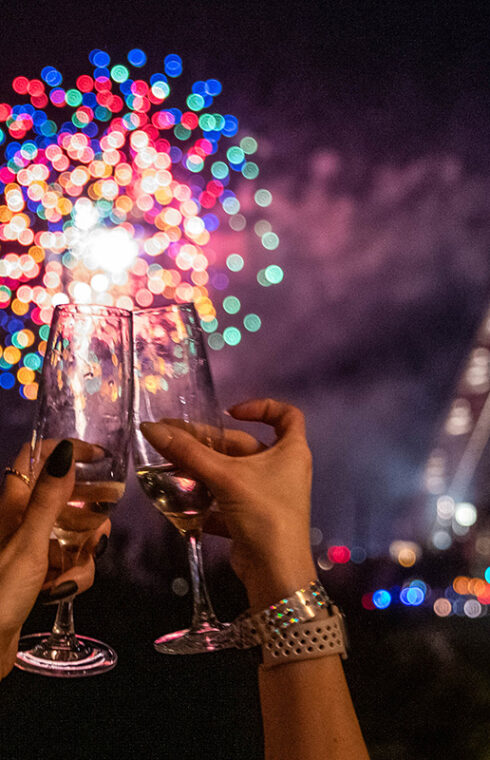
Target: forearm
x,y
306,705
308,713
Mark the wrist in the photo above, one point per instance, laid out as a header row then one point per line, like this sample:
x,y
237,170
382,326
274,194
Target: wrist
x,y
8,652
271,582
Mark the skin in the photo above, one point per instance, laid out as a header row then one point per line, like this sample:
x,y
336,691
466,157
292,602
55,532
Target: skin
x,y
29,560
263,495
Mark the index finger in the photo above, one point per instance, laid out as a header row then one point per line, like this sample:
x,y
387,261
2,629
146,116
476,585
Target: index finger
x,y
235,443
15,489
286,419
82,451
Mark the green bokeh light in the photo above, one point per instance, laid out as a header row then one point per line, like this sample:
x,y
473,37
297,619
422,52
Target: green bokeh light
x,y
210,326
270,241
250,170
262,279
219,170
263,198
231,304
207,122
17,340
274,274
249,145
195,101
33,361
235,155
220,121
232,336
181,132
73,97
252,322
102,113
216,341
235,262
119,73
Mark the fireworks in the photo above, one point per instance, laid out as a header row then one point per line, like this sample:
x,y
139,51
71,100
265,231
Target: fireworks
x,y
111,194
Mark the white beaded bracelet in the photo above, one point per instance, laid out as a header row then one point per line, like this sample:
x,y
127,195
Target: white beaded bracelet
x,y
303,626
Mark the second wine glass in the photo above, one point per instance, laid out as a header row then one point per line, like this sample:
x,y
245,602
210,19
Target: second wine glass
x,y
173,381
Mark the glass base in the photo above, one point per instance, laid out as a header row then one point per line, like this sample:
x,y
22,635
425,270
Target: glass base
x,y
84,657
206,638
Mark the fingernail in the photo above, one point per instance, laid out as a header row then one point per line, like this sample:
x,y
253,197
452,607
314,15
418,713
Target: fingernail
x,y
227,413
97,452
59,461
64,590
159,428
101,546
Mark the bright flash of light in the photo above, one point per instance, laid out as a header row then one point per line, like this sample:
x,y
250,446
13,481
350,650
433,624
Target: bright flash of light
x,y
112,250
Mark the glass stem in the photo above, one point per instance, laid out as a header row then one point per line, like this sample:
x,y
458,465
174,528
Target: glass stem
x,y
63,631
202,609
64,624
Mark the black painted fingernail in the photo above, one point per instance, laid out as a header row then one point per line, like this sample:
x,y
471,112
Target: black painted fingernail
x,y
64,590
101,546
59,461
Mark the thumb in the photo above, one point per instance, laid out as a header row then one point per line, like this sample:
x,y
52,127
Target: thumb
x,y
185,451
50,494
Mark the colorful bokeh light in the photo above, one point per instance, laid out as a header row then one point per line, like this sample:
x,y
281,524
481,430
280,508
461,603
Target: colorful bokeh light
x,y
112,194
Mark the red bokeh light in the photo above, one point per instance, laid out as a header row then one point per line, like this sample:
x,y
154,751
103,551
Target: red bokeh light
x,y
339,554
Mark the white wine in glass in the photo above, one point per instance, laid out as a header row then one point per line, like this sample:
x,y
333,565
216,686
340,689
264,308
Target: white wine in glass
x,y
181,499
173,381
86,395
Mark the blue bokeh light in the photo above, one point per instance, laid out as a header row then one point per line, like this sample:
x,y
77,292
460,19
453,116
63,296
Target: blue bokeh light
x,y
173,65
381,599
137,57
412,596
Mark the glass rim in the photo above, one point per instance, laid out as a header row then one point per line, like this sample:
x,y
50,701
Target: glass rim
x,y
92,309
187,306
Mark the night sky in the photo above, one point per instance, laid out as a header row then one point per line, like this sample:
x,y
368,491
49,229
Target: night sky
x,y
372,122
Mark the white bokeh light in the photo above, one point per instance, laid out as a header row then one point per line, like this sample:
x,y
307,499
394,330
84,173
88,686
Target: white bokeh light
x,y
465,514
110,249
82,292
445,507
59,298
85,215
472,608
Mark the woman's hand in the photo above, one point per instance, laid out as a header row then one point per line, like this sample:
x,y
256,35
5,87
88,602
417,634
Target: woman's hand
x,y
29,561
264,499
263,495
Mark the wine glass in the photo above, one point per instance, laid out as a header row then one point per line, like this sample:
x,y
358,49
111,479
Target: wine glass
x,y
86,394
173,380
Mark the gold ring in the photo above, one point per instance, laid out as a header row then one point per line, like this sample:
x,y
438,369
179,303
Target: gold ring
x,y
13,471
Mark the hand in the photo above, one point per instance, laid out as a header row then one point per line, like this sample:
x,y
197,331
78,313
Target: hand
x,y
263,494
29,561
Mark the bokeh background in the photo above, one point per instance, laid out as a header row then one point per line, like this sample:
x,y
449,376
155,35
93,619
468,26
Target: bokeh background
x,y
372,128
